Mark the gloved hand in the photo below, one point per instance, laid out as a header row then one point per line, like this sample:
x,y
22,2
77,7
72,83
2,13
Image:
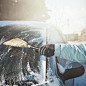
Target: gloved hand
x,y
47,50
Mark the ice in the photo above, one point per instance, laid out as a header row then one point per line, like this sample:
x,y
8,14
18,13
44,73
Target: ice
x,y
2,79
33,24
61,68
35,40
52,79
21,77
43,67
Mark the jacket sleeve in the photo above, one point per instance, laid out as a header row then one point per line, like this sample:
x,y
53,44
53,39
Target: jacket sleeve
x,y
72,52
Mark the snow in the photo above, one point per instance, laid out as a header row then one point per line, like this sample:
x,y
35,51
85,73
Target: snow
x,y
52,80
33,24
61,68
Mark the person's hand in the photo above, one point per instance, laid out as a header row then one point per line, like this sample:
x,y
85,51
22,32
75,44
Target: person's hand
x,y
47,50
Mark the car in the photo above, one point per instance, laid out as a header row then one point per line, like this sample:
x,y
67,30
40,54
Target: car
x,y
23,64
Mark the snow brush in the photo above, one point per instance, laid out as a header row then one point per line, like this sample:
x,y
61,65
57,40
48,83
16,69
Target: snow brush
x,y
17,42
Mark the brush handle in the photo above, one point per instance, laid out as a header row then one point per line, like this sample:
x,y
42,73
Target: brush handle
x,y
29,46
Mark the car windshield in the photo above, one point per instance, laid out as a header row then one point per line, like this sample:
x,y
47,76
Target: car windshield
x,y
15,61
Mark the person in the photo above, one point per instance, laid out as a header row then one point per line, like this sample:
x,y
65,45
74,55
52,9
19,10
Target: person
x,y
71,52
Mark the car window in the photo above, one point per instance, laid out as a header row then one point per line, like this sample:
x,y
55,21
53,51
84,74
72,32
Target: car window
x,y
14,60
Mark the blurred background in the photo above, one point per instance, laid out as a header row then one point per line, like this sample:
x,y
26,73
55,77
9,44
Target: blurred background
x,y
26,10
68,15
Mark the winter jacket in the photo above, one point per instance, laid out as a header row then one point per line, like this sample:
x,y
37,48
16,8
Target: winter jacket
x,y
71,52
